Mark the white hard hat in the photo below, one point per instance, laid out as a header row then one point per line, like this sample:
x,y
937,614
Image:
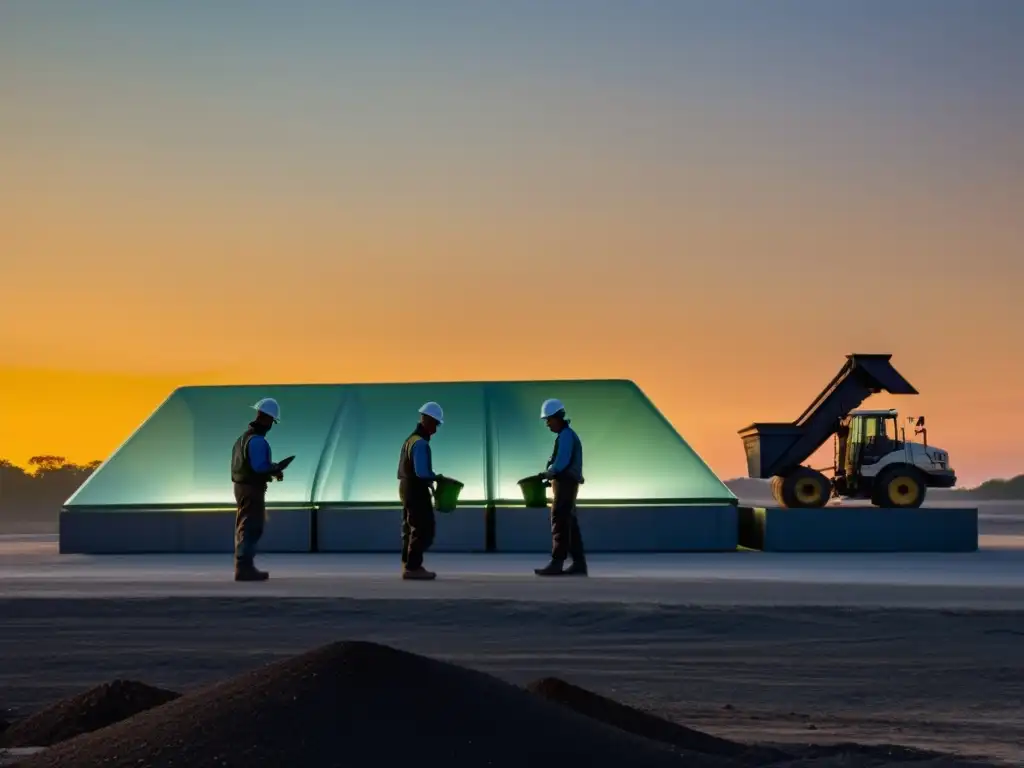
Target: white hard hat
x,y
433,410
550,407
269,406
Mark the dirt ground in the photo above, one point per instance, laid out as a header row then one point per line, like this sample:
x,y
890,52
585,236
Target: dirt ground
x,y
952,681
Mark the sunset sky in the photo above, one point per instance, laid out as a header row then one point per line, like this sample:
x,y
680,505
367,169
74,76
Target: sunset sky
x,y
717,199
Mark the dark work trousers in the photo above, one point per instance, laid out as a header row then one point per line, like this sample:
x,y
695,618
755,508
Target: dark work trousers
x,y
250,518
418,522
566,539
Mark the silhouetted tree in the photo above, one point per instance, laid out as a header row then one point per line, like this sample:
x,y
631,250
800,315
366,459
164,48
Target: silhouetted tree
x,y
48,463
36,496
14,482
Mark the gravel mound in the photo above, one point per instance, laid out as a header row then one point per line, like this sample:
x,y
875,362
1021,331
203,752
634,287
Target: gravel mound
x,y
359,703
96,708
688,740
862,760
845,755
649,726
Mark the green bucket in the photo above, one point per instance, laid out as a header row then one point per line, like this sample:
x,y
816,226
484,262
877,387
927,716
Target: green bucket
x,y
535,493
446,494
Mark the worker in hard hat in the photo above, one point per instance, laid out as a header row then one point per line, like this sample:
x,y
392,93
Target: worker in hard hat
x,y
415,479
565,472
251,470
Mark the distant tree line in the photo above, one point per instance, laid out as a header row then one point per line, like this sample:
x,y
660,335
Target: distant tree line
x,y
39,491
44,486
990,490
999,490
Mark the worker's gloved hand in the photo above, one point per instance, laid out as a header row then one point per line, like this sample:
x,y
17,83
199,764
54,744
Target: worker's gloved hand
x,y
547,474
279,476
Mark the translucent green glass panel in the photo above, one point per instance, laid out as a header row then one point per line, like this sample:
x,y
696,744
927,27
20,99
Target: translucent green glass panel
x,y
182,454
347,437
362,464
629,450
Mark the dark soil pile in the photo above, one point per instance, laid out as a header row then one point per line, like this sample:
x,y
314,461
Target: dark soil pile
x,y
845,755
692,742
96,708
649,726
359,703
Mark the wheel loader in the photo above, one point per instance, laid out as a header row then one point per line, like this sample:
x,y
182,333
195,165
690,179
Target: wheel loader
x,y
873,459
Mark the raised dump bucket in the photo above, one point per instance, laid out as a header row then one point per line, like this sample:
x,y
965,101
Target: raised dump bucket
x,y
446,494
534,491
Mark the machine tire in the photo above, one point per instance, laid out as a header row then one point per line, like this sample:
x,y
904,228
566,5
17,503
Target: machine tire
x,y
804,488
899,487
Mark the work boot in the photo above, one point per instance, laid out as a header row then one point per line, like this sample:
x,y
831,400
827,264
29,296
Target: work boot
x,y
418,574
554,568
249,572
578,568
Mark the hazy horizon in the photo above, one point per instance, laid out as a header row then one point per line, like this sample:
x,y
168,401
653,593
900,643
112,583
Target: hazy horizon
x,y
718,201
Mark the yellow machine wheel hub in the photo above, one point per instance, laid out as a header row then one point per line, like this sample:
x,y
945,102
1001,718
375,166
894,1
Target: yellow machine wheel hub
x,y
904,490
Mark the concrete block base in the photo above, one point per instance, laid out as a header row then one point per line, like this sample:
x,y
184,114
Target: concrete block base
x,y
698,528
859,529
379,529
157,531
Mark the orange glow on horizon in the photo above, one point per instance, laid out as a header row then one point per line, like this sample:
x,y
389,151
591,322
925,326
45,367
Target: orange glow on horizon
x,y
86,416
719,206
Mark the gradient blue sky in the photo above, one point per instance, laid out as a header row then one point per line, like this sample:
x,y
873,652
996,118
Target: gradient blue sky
x,y
922,90
658,157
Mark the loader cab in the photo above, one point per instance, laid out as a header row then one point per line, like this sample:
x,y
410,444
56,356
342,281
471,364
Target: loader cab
x,y
865,438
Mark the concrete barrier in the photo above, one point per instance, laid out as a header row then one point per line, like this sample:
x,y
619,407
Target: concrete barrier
x,y
677,528
379,529
859,529
159,531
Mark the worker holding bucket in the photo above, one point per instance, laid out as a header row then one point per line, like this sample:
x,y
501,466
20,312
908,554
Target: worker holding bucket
x,y
565,473
415,477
